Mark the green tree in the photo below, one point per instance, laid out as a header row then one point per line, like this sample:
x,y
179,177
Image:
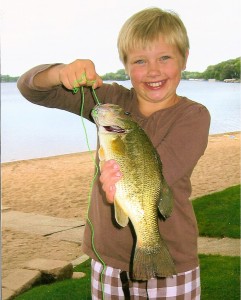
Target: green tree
x,y
119,75
7,78
225,70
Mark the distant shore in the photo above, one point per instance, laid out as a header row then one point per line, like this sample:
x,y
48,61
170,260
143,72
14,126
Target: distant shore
x,y
59,186
231,80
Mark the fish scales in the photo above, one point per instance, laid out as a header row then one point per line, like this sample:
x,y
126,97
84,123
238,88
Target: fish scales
x,y
141,190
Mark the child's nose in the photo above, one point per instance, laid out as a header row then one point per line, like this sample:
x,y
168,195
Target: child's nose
x,y
154,69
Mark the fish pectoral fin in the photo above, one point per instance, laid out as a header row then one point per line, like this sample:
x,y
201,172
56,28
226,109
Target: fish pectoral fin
x,y
121,217
101,154
166,201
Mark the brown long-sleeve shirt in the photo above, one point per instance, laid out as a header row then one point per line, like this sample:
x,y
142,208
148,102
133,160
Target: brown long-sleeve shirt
x,y
180,135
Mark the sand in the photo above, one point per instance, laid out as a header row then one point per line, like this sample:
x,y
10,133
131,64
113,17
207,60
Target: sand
x,y
59,186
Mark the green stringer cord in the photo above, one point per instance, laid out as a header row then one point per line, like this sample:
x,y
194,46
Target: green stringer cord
x,y
91,188
88,82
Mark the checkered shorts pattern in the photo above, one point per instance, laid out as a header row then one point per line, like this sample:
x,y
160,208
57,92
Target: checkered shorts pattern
x,y
118,286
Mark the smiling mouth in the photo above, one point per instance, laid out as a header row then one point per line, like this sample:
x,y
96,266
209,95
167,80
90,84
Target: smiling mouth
x,y
155,84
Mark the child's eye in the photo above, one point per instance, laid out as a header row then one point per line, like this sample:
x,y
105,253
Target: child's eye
x,y
139,61
164,58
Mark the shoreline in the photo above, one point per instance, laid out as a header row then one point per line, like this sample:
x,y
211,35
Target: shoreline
x,y
58,186
93,151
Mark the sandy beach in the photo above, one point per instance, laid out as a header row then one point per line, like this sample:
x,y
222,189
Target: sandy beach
x,y
59,186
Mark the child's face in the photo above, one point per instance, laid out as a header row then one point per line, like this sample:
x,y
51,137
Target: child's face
x,y
155,73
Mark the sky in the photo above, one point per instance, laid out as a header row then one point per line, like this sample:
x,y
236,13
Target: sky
x,y
51,31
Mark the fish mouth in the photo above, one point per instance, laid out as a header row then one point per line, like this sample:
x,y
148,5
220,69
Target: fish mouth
x,y
114,128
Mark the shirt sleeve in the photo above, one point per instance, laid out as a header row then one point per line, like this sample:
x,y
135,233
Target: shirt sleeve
x,y
56,97
62,98
186,142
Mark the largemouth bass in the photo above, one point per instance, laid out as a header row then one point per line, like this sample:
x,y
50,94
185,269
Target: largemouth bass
x,y
140,192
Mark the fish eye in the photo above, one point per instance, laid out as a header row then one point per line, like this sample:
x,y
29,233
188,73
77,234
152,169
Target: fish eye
x,y
127,113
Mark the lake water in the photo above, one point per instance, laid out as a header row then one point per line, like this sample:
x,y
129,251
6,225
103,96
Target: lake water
x,y
31,131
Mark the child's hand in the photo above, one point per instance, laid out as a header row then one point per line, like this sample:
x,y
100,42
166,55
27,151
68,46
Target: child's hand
x,y
81,72
110,174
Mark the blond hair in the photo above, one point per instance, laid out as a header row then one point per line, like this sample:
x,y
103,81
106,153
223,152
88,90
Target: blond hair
x,y
147,26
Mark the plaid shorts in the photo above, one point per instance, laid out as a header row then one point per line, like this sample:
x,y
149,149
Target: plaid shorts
x,y
118,286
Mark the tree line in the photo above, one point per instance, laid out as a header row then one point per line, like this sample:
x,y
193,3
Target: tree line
x,y
7,78
229,69
119,75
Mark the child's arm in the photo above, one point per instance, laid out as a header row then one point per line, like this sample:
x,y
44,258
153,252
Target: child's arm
x,y
78,73
50,85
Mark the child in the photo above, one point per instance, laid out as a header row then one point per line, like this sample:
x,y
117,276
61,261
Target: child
x,y
153,46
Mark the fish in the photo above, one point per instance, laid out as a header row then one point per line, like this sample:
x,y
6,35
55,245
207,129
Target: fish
x,y
141,191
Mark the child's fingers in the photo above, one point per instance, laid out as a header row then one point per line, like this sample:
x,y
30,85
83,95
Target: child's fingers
x,y
110,175
79,73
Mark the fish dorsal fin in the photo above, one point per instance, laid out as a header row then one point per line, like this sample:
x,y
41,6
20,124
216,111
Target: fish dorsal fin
x,y
166,201
120,216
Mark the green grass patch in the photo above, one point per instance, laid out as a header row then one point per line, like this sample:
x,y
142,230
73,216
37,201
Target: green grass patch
x,y
218,214
220,278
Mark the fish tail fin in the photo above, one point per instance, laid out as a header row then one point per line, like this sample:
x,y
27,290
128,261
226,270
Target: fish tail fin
x,y
150,263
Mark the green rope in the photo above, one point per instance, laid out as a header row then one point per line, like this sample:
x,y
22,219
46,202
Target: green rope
x,y
75,90
88,82
96,98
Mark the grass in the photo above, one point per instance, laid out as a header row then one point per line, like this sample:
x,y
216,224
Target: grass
x,y
220,277
217,215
